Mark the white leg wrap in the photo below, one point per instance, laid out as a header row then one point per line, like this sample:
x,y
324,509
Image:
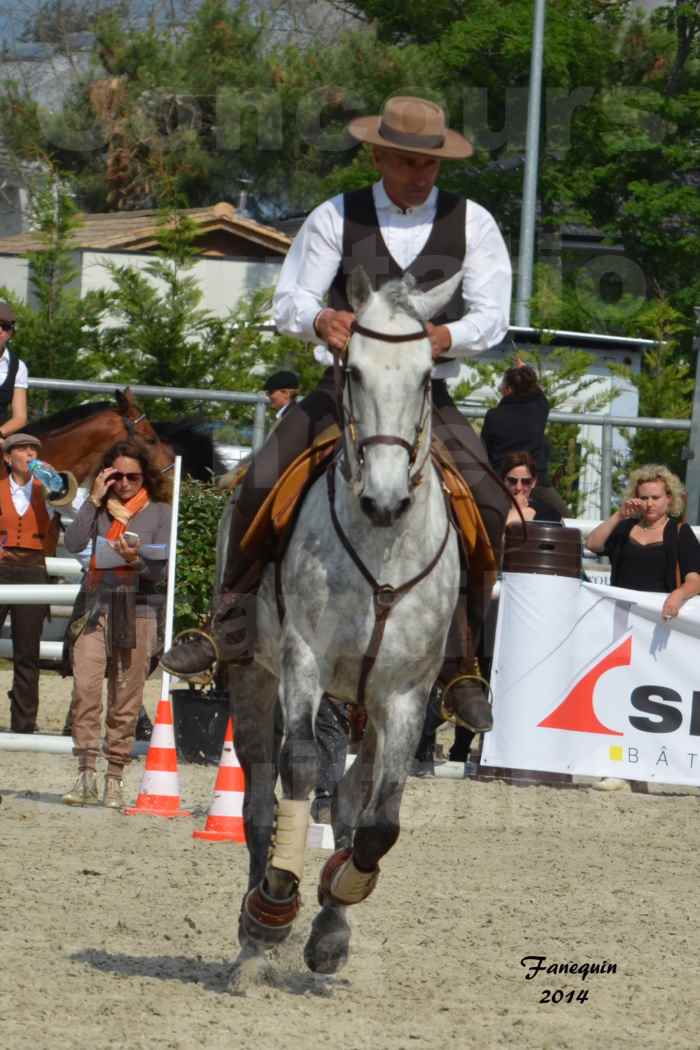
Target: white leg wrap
x,y
290,836
352,886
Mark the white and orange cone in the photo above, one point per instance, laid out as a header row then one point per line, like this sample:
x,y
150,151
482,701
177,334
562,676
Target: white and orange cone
x,y
225,818
160,787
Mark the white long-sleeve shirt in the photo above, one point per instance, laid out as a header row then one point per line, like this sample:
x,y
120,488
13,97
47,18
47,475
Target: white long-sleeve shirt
x,y
313,260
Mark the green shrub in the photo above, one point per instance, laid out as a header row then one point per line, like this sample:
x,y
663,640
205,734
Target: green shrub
x,y
201,506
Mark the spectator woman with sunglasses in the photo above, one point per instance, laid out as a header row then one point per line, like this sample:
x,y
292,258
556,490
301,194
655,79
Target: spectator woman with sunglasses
x,y
114,627
14,378
519,473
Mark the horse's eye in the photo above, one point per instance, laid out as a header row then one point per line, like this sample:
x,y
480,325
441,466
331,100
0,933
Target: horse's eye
x,y
426,378
354,373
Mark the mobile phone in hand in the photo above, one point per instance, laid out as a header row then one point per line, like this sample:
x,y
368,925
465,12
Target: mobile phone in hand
x,y
132,538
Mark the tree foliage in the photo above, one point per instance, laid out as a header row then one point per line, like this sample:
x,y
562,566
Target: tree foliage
x,y
59,334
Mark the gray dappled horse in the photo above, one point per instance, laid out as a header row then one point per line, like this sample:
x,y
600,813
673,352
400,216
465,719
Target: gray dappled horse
x,y
369,583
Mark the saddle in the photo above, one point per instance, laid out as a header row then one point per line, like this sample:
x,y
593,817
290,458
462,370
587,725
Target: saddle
x,y
275,519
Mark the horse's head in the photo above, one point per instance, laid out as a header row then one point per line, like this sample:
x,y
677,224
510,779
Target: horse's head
x,y
387,391
139,427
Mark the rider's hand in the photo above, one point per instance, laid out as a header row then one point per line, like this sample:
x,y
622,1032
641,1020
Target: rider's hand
x,y
440,339
333,327
101,485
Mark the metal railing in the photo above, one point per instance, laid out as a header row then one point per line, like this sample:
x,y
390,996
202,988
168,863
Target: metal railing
x,y
181,393
608,423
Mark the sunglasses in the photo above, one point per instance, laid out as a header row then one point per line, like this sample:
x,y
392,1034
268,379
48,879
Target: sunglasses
x,y
118,476
7,326
526,483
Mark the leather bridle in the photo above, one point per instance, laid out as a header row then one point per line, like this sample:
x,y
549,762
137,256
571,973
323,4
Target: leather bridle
x,y
131,425
342,375
384,596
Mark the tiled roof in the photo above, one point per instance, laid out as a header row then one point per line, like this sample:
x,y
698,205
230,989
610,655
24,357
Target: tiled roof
x,y
137,231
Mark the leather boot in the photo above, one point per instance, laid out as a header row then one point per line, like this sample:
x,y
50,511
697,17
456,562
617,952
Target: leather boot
x,y
84,790
465,692
229,638
466,700
230,635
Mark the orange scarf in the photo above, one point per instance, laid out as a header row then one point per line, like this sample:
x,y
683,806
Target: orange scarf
x,y
121,513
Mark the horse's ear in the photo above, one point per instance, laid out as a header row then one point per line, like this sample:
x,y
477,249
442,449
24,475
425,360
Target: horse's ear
x,y
123,399
358,288
428,304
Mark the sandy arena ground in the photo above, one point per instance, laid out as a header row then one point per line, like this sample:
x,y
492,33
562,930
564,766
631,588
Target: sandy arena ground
x,y
118,932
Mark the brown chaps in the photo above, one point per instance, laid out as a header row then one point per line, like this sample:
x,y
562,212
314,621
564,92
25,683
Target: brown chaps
x,y
308,418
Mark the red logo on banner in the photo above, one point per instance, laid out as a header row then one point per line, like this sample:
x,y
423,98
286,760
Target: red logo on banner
x,y
575,712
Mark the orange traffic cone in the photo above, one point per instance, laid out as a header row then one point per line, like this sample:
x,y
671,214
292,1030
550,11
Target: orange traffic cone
x,y
225,818
160,787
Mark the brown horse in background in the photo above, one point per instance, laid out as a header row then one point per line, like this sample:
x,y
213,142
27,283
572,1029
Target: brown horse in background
x,y
77,438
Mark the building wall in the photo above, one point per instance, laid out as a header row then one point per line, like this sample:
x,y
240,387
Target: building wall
x,y
224,282
14,275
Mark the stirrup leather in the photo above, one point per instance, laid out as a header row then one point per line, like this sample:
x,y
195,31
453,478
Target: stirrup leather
x,y
199,677
445,710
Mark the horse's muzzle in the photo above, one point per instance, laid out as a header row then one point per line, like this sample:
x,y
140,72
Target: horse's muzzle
x,y
383,517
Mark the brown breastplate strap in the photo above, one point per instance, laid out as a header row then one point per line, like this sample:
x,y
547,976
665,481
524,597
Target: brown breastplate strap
x,y
384,595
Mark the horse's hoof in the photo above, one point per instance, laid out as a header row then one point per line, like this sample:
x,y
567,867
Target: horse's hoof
x,y
265,921
327,948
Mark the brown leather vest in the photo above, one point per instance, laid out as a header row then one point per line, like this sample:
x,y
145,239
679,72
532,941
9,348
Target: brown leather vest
x,y
363,244
30,530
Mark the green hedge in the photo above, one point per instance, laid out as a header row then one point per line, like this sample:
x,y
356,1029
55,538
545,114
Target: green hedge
x,y
201,506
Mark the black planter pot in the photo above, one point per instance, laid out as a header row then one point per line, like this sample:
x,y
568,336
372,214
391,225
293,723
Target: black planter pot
x,y
200,724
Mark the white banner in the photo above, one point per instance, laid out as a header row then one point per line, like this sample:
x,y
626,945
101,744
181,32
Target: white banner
x,y
588,679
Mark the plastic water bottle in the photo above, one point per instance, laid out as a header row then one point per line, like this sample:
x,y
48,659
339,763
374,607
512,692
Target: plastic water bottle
x,y
47,475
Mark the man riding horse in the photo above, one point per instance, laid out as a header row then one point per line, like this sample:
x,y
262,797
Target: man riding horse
x,y
401,225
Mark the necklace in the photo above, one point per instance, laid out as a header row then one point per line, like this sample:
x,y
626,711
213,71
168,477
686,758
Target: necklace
x,y
658,524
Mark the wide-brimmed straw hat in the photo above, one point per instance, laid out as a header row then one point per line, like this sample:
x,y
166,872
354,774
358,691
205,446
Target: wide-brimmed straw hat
x,y
414,125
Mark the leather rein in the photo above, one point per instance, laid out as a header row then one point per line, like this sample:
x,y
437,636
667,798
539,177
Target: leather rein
x,y
384,596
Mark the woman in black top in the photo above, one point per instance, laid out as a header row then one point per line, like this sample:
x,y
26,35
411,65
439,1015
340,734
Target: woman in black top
x,y
517,424
520,476
648,549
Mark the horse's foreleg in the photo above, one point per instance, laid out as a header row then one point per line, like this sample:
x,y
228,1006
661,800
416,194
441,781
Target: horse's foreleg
x,y
351,873
354,791
253,694
272,905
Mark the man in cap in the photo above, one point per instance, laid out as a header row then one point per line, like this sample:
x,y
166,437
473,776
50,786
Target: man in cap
x,y
28,523
401,225
14,378
282,389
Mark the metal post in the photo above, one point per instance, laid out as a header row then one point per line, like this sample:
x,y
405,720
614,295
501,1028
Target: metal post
x,y
692,472
606,465
259,425
528,217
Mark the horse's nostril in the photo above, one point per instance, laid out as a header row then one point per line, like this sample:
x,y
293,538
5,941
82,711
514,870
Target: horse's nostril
x,y
368,506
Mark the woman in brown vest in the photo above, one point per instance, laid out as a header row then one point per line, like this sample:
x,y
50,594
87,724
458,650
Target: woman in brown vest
x,y
114,625
28,527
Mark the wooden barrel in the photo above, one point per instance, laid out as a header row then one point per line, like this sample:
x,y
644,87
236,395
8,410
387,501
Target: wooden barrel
x,y
544,548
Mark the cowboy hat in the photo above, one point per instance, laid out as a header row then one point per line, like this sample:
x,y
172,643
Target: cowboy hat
x,y
414,125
